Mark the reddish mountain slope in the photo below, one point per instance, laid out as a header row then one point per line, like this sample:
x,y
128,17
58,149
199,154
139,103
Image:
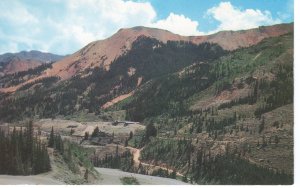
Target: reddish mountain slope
x,y
231,40
17,65
22,61
102,53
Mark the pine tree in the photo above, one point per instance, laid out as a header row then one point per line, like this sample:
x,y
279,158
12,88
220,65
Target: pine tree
x,y
184,178
51,139
150,131
23,153
86,136
276,140
86,175
130,135
95,132
261,126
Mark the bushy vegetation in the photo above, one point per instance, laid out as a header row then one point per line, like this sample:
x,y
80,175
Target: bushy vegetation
x,y
129,181
123,161
74,155
164,173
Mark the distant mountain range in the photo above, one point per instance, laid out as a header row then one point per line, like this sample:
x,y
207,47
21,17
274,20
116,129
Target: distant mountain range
x,y
15,62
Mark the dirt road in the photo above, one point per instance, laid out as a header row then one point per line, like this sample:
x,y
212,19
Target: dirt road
x,y
28,180
136,158
112,177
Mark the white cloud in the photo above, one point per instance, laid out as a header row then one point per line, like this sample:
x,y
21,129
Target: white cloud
x,y
75,24
82,21
85,21
233,18
178,24
16,13
64,26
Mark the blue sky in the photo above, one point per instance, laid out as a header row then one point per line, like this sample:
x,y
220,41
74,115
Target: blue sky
x,y
65,26
197,9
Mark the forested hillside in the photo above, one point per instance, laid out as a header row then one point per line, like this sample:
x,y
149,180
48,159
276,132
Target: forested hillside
x,y
265,70
148,59
234,110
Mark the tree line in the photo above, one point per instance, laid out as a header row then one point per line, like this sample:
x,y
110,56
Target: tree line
x,y
23,152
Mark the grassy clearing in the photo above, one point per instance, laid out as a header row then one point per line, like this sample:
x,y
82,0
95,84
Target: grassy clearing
x,y
83,116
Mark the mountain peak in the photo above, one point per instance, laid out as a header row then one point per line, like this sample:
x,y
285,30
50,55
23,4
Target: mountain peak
x,y
135,28
139,28
159,34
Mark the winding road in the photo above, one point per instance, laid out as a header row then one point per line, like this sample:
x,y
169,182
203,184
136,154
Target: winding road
x,y
136,158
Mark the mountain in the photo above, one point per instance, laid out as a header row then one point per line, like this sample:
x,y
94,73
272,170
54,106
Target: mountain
x,y
16,62
103,53
218,109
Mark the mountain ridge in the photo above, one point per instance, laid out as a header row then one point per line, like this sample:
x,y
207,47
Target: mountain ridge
x,y
102,53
